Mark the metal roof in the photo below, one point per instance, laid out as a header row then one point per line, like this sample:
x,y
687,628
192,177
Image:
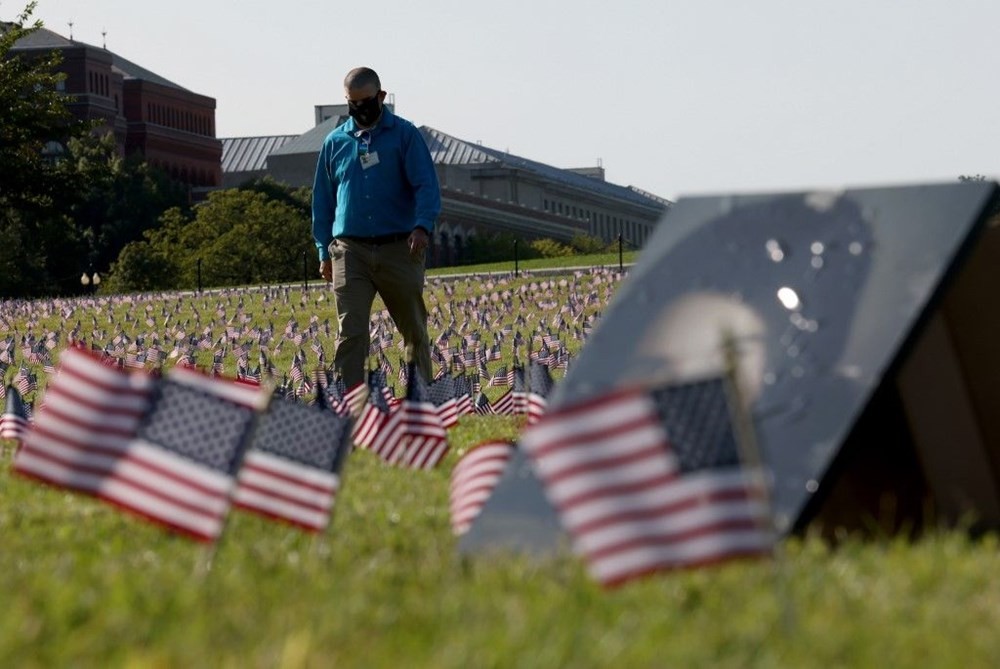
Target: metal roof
x,y
311,141
130,70
448,150
43,39
47,39
249,154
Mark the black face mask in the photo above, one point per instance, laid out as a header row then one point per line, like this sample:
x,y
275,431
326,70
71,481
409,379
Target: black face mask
x,y
365,112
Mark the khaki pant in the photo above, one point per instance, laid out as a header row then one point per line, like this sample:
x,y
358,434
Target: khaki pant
x,y
360,271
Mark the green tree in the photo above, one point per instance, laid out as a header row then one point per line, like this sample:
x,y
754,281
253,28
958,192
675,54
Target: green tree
x,y
550,248
240,236
115,199
582,243
497,247
35,124
69,202
297,198
39,248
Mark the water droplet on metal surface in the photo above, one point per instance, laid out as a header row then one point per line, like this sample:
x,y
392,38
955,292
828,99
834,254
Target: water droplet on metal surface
x,y
775,251
769,378
793,351
855,248
789,298
817,248
816,262
812,485
798,371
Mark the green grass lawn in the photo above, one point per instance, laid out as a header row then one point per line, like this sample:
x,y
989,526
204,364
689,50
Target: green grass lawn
x,y
594,260
85,585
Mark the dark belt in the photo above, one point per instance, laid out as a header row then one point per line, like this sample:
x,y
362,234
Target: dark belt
x,y
378,240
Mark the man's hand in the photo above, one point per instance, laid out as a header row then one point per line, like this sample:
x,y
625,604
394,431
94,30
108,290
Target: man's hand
x,y
326,269
418,241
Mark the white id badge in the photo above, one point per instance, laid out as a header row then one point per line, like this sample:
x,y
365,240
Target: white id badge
x,y
369,159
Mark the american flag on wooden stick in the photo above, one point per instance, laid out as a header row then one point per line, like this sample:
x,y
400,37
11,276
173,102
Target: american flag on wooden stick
x,y
441,392
413,435
373,416
165,449
482,405
473,479
540,384
14,420
650,480
291,470
514,402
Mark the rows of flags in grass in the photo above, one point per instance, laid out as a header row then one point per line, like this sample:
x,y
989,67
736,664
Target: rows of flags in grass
x,y
481,328
181,448
642,479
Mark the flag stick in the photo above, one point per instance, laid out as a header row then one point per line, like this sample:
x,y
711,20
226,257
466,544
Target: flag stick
x,y
204,564
750,455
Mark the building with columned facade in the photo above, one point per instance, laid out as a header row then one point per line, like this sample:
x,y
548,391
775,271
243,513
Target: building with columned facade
x,y
483,190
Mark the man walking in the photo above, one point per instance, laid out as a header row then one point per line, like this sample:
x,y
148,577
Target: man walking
x,y
375,198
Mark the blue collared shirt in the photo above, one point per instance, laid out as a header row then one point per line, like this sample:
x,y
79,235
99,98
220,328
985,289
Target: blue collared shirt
x,y
397,194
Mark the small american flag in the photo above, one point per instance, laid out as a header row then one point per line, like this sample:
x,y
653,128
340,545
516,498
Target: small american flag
x,y
442,393
355,397
413,435
650,480
482,406
165,449
373,416
473,479
14,420
514,402
540,384
291,471
499,379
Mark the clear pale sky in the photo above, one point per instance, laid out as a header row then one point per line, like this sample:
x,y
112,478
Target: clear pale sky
x,y
693,97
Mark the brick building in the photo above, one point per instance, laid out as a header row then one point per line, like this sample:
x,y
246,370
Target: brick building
x,y
171,127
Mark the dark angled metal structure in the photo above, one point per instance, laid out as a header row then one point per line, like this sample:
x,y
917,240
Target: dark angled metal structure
x,y
867,343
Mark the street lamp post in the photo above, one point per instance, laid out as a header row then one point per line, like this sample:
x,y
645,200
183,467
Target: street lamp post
x,y
93,280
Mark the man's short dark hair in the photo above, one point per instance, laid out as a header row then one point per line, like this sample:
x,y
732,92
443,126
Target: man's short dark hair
x,y
361,77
